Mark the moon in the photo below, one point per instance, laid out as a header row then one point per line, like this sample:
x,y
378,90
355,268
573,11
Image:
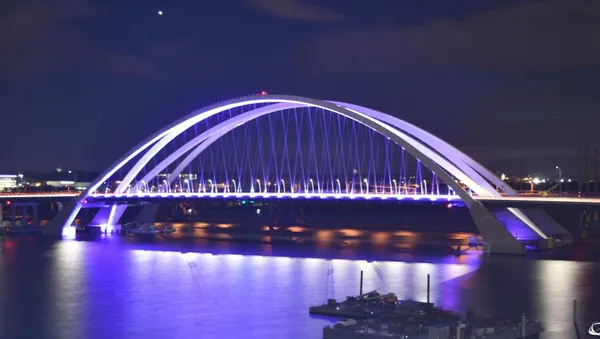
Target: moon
x,y
160,12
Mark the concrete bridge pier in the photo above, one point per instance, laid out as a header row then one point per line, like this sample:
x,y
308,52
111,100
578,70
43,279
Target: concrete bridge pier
x,y
111,215
148,213
65,216
101,217
24,207
497,238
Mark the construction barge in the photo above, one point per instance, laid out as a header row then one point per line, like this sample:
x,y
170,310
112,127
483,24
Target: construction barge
x,y
382,316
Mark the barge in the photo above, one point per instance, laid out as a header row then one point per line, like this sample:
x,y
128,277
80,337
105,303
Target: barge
x,y
434,326
382,316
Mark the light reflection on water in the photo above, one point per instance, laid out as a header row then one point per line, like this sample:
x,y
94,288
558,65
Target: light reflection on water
x,y
112,288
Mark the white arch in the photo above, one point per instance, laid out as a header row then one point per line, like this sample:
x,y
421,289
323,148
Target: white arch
x,y
373,122
230,124
457,166
474,180
463,173
489,227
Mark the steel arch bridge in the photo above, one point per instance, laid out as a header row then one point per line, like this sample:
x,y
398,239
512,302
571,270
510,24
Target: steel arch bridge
x,y
463,176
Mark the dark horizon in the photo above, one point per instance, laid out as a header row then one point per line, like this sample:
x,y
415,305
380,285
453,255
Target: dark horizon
x,y
511,83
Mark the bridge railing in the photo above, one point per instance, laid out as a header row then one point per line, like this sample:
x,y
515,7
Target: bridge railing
x,y
53,193
558,194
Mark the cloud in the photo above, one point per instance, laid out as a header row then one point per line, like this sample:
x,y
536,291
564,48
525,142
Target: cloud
x,y
297,10
516,153
37,36
159,61
528,36
527,160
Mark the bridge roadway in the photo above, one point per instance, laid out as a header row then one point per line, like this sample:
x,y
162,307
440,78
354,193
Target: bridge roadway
x,y
510,201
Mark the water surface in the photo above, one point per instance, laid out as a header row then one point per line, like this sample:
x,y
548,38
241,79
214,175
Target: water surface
x,y
123,288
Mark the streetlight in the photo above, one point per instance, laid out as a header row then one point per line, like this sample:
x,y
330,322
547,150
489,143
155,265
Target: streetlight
x,y
283,183
312,185
74,179
259,188
366,184
559,180
144,186
70,172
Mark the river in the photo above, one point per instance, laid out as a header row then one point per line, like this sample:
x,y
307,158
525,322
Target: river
x,y
116,287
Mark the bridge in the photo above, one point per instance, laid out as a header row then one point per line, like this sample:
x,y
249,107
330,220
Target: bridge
x,y
281,146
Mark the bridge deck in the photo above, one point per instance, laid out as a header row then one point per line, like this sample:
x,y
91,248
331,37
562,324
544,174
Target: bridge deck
x,y
512,200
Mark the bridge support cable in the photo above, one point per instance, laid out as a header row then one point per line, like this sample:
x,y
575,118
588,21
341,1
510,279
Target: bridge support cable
x,y
227,126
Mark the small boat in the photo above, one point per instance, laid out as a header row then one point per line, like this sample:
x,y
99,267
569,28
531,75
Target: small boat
x,y
151,230
137,228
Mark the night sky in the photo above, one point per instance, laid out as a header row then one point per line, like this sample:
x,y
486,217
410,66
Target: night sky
x,y
516,84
